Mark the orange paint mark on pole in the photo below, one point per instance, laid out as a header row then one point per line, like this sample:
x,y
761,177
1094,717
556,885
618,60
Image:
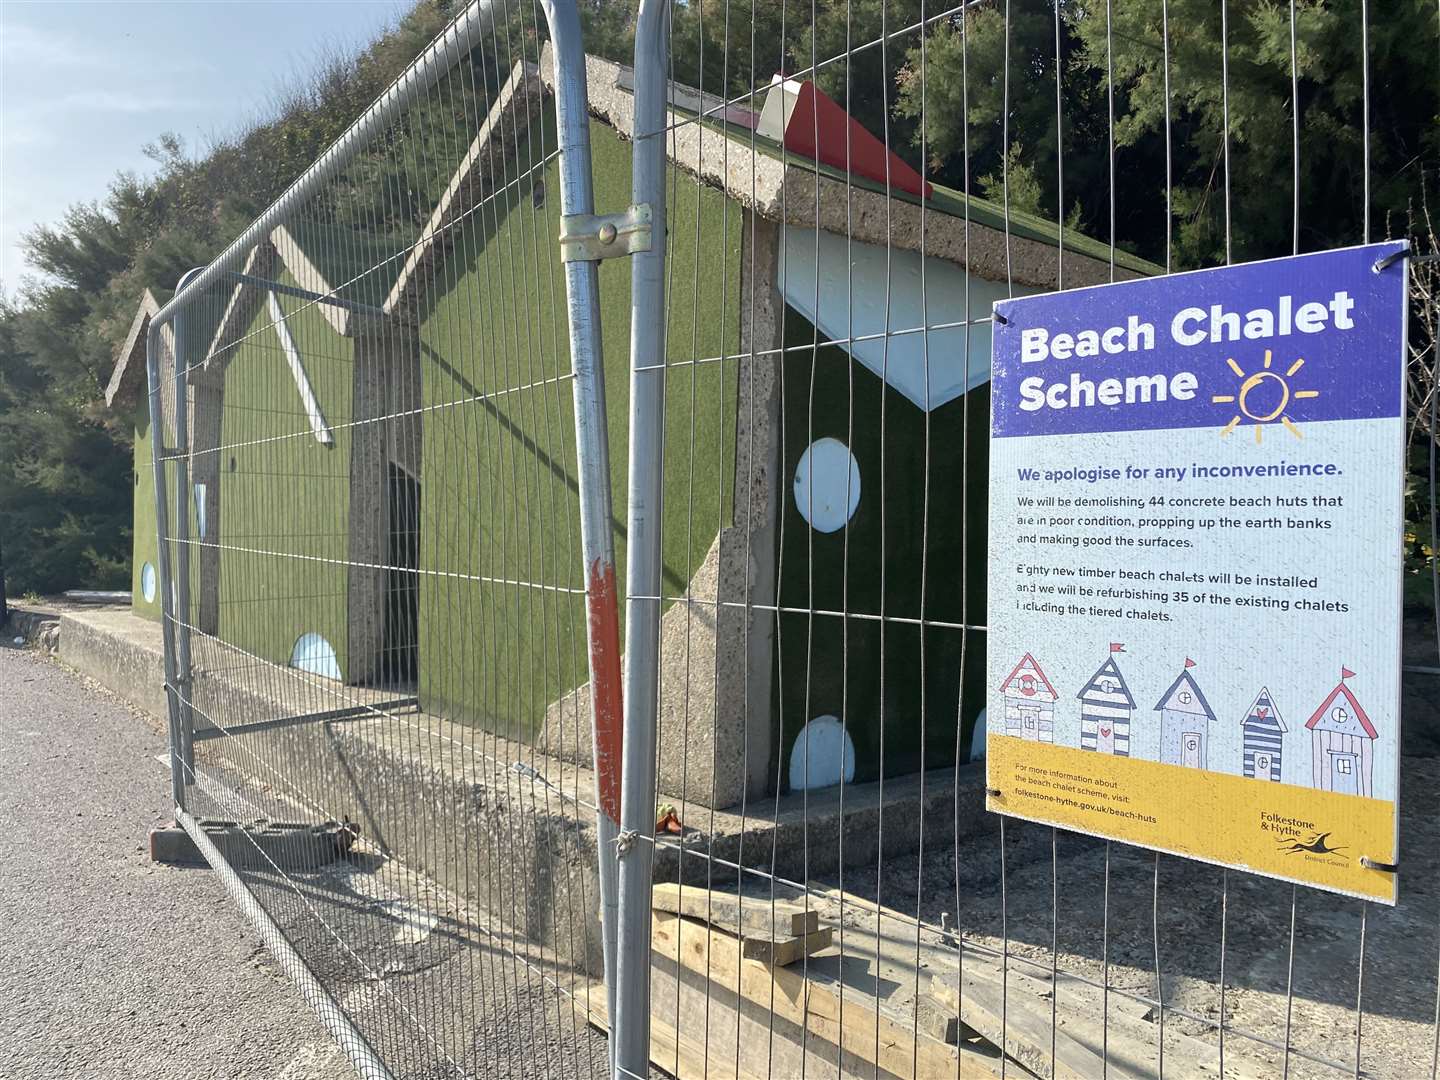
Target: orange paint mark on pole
x,y
605,685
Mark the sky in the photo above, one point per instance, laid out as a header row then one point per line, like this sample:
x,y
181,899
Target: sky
x,y
85,86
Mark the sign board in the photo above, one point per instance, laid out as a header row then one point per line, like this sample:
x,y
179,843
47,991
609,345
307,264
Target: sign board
x,y
1195,564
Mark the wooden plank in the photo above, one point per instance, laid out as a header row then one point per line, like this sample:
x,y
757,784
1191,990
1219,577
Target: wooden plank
x,y
672,1051
1087,1043
740,912
1024,1028
866,1032
1131,1041
786,950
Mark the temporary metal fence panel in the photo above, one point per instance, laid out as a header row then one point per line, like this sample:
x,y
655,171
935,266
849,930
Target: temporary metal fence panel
x,y
853,186
383,447
384,544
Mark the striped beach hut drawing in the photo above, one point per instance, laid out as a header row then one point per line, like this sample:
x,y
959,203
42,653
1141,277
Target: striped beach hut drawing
x,y
1263,744
1342,742
1185,719
1029,702
1106,706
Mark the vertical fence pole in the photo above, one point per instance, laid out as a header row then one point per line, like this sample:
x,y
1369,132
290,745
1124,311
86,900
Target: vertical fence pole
x,y
631,1029
158,455
184,683
577,197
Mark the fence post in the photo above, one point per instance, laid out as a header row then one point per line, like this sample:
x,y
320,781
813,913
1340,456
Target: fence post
x,y
184,683
577,203
630,1032
158,455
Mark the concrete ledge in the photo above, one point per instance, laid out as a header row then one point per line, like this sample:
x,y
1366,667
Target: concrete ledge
x,y
119,650
488,819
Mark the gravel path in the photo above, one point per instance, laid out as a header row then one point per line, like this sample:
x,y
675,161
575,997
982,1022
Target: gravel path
x,y
110,965
114,966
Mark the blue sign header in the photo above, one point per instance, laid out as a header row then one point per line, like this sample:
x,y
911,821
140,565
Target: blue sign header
x,y
1307,338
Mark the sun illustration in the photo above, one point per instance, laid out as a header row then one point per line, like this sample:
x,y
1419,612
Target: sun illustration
x,y
1263,397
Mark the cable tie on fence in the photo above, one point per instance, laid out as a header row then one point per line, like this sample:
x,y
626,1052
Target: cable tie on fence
x,y
1384,867
1404,252
624,841
994,792
1391,259
1001,319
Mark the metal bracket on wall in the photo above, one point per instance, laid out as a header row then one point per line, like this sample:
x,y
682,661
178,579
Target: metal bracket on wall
x,y
591,237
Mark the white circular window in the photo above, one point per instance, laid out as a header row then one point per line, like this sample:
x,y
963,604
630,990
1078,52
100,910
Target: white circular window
x,y
147,582
314,654
827,485
822,756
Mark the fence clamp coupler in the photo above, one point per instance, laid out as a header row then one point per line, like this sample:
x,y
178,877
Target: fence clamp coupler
x,y
591,237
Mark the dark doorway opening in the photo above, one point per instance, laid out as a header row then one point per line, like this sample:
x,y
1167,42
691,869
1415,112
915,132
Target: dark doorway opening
x,y
399,659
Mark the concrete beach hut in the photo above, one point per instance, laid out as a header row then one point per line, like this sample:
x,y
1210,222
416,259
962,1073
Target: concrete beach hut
x,y
432,542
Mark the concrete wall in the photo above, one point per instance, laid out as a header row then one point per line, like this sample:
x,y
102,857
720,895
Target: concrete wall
x,y
446,800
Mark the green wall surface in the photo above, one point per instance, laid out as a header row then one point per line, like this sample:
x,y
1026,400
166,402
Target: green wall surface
x,y
502,624
285,497
922,511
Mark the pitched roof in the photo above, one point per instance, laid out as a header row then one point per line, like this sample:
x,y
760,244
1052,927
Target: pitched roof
x,y
709,140
784,186
1188,680
128,379
1321,718
1263,709
240,309
1109,669
334,260
1028,666
473,179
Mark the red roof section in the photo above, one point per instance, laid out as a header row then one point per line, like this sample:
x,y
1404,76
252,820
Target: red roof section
x,y
818,129
1029,661
1319,714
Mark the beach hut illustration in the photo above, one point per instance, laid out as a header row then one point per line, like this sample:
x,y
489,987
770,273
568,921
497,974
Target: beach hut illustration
x,y
1263,743
1029,702
1342,742
1185,718
1105,709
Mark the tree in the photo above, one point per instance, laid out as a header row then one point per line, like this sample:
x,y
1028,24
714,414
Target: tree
x,y
1125,45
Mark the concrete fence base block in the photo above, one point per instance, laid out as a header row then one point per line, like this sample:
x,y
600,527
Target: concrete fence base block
x,y
287,846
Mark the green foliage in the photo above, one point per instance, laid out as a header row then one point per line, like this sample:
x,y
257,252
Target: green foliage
x,y
960,80
67,489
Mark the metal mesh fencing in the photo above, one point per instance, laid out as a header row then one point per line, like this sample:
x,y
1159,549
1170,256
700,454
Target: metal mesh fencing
x,y
370,548
854,185
384,441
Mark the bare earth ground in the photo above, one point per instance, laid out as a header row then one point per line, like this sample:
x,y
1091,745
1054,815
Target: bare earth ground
x,y
1064,894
